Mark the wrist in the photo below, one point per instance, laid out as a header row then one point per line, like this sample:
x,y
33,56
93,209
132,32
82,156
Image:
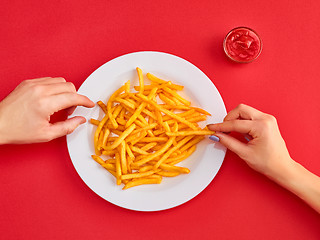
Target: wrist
x,y
283,171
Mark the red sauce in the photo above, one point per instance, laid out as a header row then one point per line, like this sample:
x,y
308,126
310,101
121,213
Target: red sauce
x,y
242,45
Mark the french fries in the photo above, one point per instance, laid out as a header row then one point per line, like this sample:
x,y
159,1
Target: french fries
x,y
143,138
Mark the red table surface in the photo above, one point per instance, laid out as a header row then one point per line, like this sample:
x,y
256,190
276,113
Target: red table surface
x,y
42,196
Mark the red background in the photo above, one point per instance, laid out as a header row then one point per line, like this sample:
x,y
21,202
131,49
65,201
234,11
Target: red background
x,y
42,196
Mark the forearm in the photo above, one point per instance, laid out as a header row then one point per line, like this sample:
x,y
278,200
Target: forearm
x,y
301,182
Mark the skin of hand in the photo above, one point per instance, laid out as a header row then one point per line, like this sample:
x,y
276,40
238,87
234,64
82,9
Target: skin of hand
x,y
266,152
25,112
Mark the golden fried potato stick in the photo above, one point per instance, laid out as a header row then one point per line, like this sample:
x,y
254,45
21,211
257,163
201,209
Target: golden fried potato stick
x,y
121,137
170,168
108,152
200,110
174,99
154,139
155,79
142,135
175,107
130,154
97,133
141,82
166,126
148,146
98,159
168,174
109,105
188,133
141,182
109,166
138,150
137,175
166,100
197,119
183,114
105,137
127,87
94,121
123,158
118,168
125,102
102,106
121,121
177,96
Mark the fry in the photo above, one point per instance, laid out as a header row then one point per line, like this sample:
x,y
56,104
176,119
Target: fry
x,y
142,181
121,137
94,121
148,146
138,150
137,175
103,106
188,133
125,102
166,100
141,82
123,158
177,96
109,105
118,169
168,174
171,168
97,133
130,154
127,87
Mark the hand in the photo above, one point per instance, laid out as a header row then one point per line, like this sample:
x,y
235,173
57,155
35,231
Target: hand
x,y
25,112
266,152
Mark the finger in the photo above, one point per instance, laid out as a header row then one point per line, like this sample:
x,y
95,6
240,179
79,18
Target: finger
x,y
66,127
47,80
239,148
66,100
243,111
241,126
60,87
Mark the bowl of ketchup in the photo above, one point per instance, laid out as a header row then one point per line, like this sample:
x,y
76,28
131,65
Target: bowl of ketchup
x,y
242,45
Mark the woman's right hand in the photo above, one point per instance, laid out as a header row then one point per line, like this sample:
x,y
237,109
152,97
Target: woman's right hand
x,y
266,152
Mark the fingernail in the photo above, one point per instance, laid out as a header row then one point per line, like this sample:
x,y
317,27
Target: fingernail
x,y
214,138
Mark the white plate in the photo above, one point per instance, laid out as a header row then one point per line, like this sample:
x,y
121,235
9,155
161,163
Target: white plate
x,y
204,163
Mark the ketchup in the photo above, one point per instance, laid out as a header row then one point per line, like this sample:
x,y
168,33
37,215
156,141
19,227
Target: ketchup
x,y
242,45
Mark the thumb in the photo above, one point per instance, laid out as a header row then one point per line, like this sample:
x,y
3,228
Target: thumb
x,y
62,128
236,146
